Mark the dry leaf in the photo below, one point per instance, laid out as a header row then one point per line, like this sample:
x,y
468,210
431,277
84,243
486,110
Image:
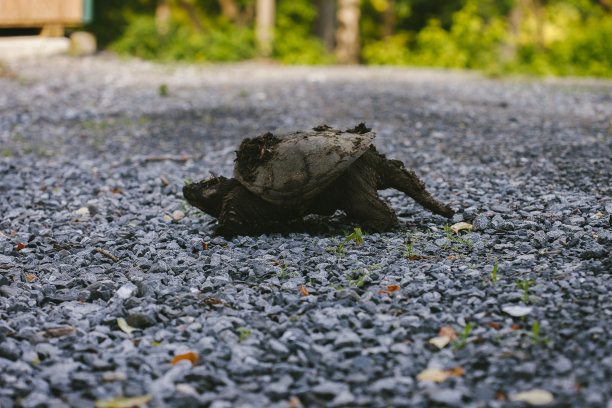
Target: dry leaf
x,y
533,397
59,331
117,191
515,326
190,355
456,371
20,246
433,374
303,290
384,291
448,332
598,214
167,217
124,326
440,342
295,402
393,288
460,226
127,402
30,278
204,245
493,325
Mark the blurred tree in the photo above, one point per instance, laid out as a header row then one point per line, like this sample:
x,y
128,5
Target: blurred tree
x,y
347,33
326,22
264,29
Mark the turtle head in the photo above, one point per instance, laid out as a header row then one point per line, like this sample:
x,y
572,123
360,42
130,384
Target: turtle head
x,y
208,195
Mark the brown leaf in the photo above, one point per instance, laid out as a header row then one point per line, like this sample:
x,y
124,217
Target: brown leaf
x,y
384,291
303,290
493,325
190,355
515,326
30,278
214,301
448,332
295,402
393,288
20,246
117,191
456,371
204,245
59,331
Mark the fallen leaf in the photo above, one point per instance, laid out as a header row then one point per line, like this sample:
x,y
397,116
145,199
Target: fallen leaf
x,y
59,331
303,290
598,214
124,326
295,402
214,301
117,191
433,374
167,217
204,245
460,226
30,278
20,246
533,397
515,326
448,332
124,402
393,288
384,291
440,342
190,355
83,211
493,325
517,310
500,396
456,371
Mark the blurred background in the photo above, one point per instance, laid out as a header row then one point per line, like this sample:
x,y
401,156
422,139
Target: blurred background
x,y
541,37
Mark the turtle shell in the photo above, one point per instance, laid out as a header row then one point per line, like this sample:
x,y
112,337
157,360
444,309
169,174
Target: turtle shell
x,y
288,169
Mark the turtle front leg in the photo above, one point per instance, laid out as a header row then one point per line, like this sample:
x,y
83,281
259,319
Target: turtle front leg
x,y
244,213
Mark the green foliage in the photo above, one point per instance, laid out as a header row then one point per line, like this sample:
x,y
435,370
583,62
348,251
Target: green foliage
x,y
181,43
243,333
294,42
494,273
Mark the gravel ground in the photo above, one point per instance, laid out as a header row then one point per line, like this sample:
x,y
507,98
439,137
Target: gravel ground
x,y
95,152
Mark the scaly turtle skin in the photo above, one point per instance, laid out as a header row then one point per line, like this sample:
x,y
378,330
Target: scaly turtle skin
x,y
282,178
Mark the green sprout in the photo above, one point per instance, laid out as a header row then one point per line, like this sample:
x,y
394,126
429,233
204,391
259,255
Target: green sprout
x,y
524,285
462,337
283,274
163,90
494,273
243,333
535,334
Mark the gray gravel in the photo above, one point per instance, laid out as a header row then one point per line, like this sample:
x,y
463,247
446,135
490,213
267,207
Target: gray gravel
x,y
94,159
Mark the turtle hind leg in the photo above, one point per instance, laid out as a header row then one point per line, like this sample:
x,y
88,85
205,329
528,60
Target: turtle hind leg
x,y
393,174
355,193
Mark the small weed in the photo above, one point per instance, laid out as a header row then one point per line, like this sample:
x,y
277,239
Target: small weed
x,y
449,233
283,274
357,282
163,90
494,273
243,333
524,285
188,181
356,236
462,337
408,247
535,334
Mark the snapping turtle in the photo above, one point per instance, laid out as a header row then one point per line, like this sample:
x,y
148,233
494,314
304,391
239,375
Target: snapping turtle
x,y
281,178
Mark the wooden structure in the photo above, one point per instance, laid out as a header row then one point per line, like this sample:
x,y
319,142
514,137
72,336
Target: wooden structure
x,y
51,15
